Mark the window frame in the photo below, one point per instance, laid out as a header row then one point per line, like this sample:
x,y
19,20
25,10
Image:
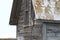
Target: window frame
x,y
44,29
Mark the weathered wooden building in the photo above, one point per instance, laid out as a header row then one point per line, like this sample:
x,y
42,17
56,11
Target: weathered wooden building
x,y
23,16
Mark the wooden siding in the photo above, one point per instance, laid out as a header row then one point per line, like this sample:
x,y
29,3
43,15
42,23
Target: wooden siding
x,y
15,12
20,8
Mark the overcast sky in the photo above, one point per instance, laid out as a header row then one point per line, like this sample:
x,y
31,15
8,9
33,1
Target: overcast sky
x,y
6,30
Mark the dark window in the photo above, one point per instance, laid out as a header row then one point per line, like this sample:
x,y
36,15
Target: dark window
x,y
51,32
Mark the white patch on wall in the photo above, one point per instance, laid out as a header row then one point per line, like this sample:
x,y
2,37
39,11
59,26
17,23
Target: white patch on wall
x,y
47,9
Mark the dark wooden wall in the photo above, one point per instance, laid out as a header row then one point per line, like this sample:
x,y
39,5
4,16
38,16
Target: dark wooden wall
x,y
20,8
23,16
15,12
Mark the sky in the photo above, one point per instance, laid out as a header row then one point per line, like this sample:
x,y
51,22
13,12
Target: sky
x,y
6,30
